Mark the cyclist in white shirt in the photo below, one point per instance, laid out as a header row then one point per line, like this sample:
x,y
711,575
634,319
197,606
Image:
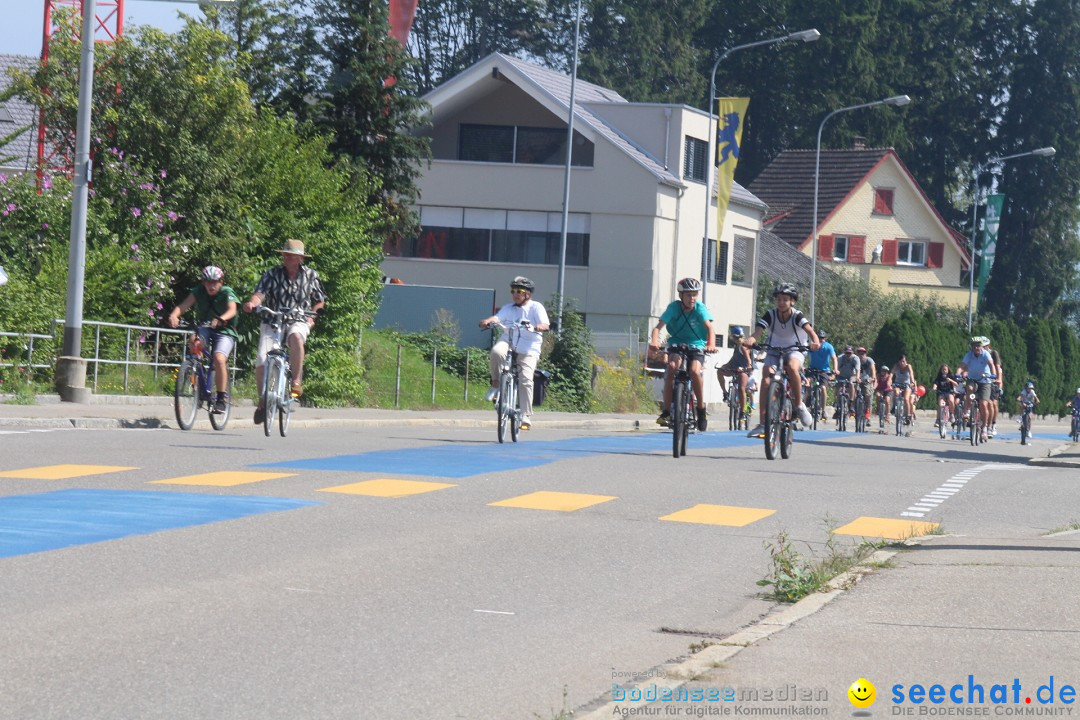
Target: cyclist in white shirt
x,y
787,327
527,343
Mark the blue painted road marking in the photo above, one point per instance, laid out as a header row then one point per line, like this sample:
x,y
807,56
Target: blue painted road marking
x,y
458,461
47,521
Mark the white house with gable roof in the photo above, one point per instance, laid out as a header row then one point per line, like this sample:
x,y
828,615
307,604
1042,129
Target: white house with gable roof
x,y
491,201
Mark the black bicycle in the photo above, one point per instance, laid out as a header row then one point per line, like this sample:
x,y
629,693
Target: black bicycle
x,y
1025,423
738,416
899,409
819,381
780,412
1074,431
683,402
195,384
862,405
842,403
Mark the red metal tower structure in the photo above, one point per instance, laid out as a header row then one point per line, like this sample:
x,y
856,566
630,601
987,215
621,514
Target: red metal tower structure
x,y
108,25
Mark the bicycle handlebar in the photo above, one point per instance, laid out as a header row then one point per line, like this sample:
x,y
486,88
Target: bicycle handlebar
x,y
291,315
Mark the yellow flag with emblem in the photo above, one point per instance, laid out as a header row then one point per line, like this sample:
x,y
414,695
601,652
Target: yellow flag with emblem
x,y
731,113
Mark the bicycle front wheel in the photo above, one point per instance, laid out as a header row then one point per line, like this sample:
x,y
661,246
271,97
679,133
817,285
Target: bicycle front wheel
x,y
219,420
271,393
502,407
772,419
186,395
285,406
733,407
841,411
786,431
515,412
678,418
973,431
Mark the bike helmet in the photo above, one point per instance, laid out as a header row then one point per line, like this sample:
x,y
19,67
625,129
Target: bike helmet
x,y
737,332
884,368
786,288
689,284
822,334
1030,385
848,350
524,283
213,272
977,340
860,349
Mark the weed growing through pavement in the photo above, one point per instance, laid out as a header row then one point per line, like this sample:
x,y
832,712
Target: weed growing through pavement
x,y
1073,525
562,714
792,576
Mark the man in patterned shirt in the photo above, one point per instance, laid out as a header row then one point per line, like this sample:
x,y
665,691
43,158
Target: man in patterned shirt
x,y
286,287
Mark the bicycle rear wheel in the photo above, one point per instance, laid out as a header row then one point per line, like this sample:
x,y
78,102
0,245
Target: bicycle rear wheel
x,y
1075,429
841,410
941,420
285,407
772,419
186,395
219,420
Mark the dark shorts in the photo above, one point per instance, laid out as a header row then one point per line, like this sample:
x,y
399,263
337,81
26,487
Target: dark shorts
x,y
692,355
984,392
995,392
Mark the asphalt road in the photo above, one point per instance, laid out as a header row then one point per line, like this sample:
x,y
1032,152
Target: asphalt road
x,y
142,591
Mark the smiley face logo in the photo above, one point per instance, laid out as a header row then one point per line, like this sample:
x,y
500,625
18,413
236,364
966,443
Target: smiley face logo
x,y
862,693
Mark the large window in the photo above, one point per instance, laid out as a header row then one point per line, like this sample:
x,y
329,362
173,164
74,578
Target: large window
x,y
510,237
525,145
911,252
695,155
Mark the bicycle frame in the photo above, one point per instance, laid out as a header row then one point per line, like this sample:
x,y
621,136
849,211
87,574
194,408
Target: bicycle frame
x,y
277,373
780,413
683,404
508,408
195,385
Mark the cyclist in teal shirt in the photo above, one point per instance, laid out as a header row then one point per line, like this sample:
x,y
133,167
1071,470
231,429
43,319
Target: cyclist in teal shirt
x,y
688,322
823,359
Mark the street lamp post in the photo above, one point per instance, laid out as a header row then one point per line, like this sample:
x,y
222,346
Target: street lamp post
x,y
803,35
566,176
895,101
1040,152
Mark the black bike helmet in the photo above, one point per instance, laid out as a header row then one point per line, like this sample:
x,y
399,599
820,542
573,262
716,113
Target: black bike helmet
x,y
786,288
524,283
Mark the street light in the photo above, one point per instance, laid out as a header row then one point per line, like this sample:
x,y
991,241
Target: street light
x,y
1040,152
566,176
804,35
895,101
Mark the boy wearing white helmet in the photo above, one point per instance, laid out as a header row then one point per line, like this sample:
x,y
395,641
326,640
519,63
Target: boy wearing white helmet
x,y
215,305
688,322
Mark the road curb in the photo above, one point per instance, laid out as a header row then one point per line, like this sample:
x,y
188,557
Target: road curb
x,y
706,660
1052,461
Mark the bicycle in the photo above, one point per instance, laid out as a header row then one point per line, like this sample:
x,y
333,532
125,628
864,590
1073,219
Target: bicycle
x,y
971,391
842,401
195,386
882,409
819,380
899,409
738,417
1025,423
1074,431
508,410
277,397
683,403
944,415
862,406
780,413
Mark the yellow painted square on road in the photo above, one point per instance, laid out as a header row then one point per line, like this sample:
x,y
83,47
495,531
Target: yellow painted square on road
x,y
719,515
886,528
388,488
63,472
560,501
227,478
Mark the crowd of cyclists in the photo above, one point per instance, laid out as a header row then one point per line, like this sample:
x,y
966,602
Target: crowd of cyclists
x,y
790,341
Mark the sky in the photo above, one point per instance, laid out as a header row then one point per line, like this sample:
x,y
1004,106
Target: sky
x,y
21,31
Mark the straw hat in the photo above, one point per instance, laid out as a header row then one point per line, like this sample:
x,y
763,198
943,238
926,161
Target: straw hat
x,y
294,247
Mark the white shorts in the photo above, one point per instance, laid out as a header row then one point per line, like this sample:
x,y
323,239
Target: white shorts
x,y
266,339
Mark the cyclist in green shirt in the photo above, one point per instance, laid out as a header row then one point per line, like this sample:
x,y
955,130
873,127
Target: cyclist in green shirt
x,y
215,303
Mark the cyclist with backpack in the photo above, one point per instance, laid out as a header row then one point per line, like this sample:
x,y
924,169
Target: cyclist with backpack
x,y
215,304
787,328
688,322
738,367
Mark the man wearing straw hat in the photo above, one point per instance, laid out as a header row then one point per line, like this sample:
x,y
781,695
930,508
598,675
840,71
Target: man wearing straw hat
x,y
286,287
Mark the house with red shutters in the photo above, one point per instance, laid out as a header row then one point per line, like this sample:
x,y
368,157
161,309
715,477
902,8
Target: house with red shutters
x,y
873,220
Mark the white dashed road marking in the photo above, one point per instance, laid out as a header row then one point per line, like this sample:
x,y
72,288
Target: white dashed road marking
x,y
950,487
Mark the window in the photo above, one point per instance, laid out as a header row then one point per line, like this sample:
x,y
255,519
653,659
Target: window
x,y
883,201
742,265
695,153
840,246
911,252
526,145
718,264
479,245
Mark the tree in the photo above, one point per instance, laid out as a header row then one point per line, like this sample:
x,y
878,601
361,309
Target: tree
x,y
663,66
1038,244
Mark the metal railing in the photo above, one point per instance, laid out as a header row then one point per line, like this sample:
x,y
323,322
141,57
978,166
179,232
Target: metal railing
x,y
29,363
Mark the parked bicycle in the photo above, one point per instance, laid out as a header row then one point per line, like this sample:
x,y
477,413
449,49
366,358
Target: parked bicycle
x,y
780,412
277,397
507,406
195,386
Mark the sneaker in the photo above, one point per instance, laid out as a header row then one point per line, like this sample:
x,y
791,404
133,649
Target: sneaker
x,y
297,390
260,415
757,432
526,425
664,420
804,416
937,424
492,394
702,420
835,415
221,404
